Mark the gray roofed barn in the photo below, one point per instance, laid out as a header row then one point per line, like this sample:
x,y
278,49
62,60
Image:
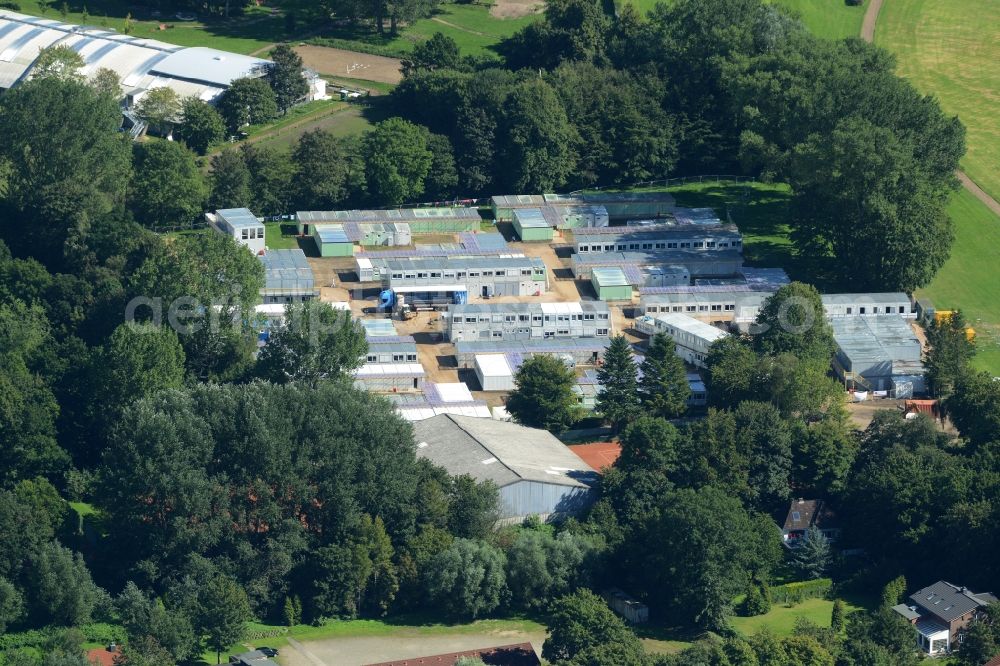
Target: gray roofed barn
x,y
536,473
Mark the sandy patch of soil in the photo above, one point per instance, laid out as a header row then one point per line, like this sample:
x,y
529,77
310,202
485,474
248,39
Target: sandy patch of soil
x,y
506,9
350,64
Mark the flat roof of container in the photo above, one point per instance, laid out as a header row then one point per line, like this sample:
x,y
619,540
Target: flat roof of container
x,y
287,270
238,218
640,257
651,232
333,233
683,322
378,327
390,215
889,298
530,218
546,308
493,365
473,262
547,346
610,277
876,338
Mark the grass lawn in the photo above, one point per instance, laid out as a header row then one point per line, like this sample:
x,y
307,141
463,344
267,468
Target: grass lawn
x,y
951,50
830,19
969,279
780,620
473,28
760,211
398,627
280,236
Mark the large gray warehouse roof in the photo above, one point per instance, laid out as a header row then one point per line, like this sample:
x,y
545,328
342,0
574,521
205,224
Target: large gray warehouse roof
x,y
499,451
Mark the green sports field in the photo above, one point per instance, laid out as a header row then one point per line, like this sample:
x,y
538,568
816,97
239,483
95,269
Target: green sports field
x,y
970,280
831,19
951,49
474,29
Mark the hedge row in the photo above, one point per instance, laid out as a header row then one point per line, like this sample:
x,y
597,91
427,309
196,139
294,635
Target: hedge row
x,y
797,592
97,632
360,47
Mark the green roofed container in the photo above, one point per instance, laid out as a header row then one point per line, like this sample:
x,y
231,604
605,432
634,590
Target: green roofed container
x,y
332,241
530,225
611,284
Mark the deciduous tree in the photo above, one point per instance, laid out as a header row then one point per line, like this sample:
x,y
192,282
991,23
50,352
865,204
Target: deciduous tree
x,y
223,613
467,579
286,77
247,101
168,189
200,125
543,394
397,160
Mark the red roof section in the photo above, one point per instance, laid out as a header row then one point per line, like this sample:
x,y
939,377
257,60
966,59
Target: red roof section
x,y
101,657
599,454
995,661
521,654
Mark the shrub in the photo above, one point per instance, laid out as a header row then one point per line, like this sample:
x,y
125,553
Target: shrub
x,y
757,601
795,593
10,4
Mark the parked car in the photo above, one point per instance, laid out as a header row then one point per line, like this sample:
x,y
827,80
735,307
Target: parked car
x,y
270,652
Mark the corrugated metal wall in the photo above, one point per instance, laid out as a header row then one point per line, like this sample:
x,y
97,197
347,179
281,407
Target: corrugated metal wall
x,y
526,498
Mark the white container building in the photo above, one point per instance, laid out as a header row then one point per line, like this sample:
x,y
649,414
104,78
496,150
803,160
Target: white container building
x,y
525,321
693,337
494,373
241,225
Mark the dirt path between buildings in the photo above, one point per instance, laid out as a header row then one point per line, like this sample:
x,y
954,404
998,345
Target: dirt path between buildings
x,y
868,34
457,27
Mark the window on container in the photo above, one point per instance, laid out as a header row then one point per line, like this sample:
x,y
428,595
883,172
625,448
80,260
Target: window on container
x,y
460,274
449,274
710,244
602,331
685,244
497,334
716,308
523,317
525,271
588,317
501,273
245,234
397,358
563,331
473,274
497,318
660,246
536,319
609,248
671,246
411,357
470,320
510,318
702,308
397,276
730,306
647,246
487,273
410,276
435,274
371,358
421,274
861,310
690,308
603,315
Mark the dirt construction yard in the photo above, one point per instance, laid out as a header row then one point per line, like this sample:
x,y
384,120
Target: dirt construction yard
x,y
349,64
357,651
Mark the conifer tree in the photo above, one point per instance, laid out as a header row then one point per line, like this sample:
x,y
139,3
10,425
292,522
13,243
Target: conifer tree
x,y
618,398
663,388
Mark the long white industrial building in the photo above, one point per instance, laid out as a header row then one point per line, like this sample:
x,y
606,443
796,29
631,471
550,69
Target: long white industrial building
x,y
141,64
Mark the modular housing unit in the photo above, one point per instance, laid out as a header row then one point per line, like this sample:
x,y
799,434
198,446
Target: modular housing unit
x,y
665,276
391,364
420,220
658,237
604,206
439,398
526,321
574,351
288,278
693,337
332,241
537,475
494,372
705,263
866,305
610,284
241,225
699,393
483,276
530,225
874,351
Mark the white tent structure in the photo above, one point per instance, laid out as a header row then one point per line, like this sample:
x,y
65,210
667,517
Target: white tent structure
x,y
141,64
